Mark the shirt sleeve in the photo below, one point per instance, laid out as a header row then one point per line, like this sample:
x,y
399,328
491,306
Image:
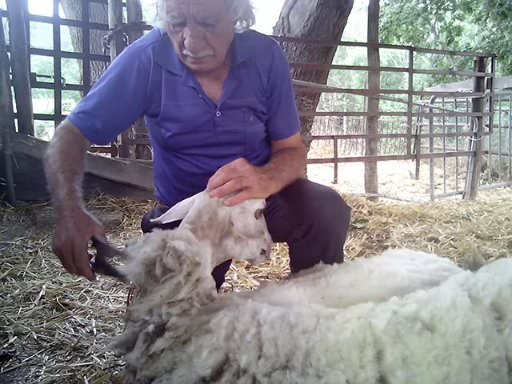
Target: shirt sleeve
x,y
117,100
283,121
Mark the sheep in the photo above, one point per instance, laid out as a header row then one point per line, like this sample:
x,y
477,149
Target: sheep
x,y
401,317
172,268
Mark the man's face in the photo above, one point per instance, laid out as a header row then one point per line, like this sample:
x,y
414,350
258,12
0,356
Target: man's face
x,y
201,31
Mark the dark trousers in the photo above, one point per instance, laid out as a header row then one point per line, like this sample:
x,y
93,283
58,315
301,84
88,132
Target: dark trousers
x,y
311,218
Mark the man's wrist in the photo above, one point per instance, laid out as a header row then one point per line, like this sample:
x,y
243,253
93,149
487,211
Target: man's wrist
x,y
272,184
70,205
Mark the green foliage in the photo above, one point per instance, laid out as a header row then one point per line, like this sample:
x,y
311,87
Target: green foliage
x,y
71,71
466,25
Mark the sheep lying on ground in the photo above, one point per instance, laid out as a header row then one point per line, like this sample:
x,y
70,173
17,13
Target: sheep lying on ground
x,y
172,269
402,317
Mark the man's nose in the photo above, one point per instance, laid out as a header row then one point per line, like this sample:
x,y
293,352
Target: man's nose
x,y
193,37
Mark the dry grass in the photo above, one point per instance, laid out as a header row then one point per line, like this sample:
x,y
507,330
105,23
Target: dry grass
x,y
54,328
468,232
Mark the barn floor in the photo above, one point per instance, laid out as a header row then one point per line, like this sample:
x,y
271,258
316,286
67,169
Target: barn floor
x,y
55,328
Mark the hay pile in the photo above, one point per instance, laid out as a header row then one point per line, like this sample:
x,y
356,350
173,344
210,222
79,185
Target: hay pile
x,y
54,327
468,232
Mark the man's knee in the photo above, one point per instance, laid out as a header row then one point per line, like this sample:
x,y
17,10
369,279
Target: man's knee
x,y
320,205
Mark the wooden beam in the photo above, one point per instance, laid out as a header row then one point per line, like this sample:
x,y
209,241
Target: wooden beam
x,y
310,87
6,118
417,114
379,136
385,46
389,69
124,171
18,24
467,85
358,159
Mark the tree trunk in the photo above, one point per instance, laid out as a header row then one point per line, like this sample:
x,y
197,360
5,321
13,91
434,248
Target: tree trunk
x,y
371,180
98,13
318,20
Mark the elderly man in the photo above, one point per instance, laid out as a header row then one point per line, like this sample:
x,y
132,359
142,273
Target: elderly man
x,y
218,102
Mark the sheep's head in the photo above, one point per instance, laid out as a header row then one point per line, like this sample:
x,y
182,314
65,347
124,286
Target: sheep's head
x,y
238,232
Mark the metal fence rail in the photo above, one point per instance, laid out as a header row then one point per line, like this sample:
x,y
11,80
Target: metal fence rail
x,y
457,133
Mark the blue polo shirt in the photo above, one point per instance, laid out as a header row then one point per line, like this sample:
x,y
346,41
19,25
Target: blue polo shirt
x,y
191,136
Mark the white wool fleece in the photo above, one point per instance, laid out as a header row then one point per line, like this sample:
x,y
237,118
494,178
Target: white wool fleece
x,y
172,269
458,332
394,273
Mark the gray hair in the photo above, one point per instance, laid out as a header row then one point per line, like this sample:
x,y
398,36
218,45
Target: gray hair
x,y
241,11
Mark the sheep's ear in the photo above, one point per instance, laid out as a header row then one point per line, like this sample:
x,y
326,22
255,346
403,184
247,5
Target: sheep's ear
x,y
177,212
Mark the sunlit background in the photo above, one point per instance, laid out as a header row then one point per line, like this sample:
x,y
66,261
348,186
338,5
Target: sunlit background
x,y
267,13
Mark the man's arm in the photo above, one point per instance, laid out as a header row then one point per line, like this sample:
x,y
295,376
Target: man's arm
x,y
243,181
64,168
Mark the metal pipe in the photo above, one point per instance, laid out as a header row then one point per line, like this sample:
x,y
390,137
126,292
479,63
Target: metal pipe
x,y
431,148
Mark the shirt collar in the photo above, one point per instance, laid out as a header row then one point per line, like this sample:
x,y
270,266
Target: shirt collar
x,y
167,58
166,55
242,49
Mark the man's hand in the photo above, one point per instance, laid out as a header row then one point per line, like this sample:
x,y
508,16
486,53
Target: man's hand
x,y
75,228
64,163
241,181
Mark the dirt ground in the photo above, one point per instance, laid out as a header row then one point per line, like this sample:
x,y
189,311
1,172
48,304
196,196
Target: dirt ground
x,y
397,179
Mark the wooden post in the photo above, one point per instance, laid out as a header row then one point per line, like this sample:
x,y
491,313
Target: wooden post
x,y
6,118
18,21
417,147
115,20
410,100
489,87
57,69
431,160
371,181
134,15
477,106
335,148
86,47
